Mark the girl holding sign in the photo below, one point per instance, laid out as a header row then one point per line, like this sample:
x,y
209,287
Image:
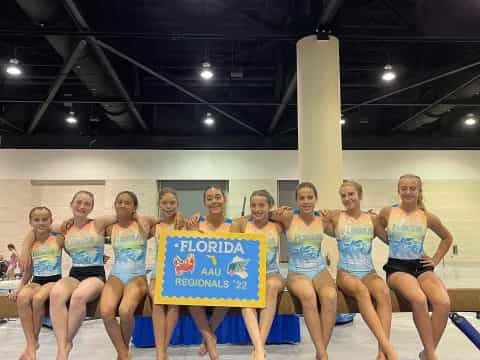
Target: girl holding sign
x,y
308,276
356,275
214,200
260,203
410,272
126,286
47,270
164,317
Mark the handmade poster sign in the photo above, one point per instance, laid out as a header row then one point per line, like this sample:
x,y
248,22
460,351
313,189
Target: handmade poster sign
x,y
211,269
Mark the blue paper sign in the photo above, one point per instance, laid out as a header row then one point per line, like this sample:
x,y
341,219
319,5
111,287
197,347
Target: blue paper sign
x,y
211,269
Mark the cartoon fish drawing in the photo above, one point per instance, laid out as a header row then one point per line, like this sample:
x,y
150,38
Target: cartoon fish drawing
x,y
238,266
183,266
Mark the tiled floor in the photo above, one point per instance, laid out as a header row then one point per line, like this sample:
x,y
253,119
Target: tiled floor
x,y
352,341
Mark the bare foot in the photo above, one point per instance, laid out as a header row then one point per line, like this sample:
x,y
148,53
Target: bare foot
x,y
31,353
392,355
257,355
211,346
381,356
63,353
162,356
422,355
202,350
323,356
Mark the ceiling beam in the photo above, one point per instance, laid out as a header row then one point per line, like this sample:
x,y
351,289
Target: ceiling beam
x,y
398,141
8,123
329,11
412,86
412,122
292,86
293,37
148,101
67,67
134,141
92,41
178,87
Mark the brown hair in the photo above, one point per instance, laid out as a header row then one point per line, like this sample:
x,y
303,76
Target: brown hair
x,y
132,196
358,188
265,194
39,208
213,187
165,191
88,193
420,203
307,185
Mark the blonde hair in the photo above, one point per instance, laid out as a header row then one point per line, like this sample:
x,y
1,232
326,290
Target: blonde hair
x,y
358,188
165,191
88,193
265,194
420,202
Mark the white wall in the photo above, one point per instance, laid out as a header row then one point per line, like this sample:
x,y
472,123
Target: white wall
x,y
451,180
227,164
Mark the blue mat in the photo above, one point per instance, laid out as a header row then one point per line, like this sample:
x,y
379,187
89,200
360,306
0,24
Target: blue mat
x,y
285,329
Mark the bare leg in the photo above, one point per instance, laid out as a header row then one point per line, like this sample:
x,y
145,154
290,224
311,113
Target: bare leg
x,y
25,312
87,291
159,329
437,296
172,318
164,325
275,285
111,295
159,324
164,321
327,294
381,293
199,315
59,296
251,322
218,314
408,287
353,287
38,305
133,294
302,287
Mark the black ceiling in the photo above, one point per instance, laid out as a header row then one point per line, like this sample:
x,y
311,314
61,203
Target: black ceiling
x,y
77,55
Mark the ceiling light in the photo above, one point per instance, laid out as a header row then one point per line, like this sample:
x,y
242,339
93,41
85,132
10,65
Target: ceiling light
x,y
343,121
209,120
470,120
71,119
206,73
13,68
388,74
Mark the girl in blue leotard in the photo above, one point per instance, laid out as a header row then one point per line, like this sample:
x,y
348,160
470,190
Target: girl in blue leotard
x,y
164,317
410,271
356,276
308,276
126,286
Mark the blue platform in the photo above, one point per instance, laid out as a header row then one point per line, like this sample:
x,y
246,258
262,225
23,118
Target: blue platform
x,y
285,329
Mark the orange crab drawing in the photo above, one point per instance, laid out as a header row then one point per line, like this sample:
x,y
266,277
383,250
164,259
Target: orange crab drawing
x,y
184,266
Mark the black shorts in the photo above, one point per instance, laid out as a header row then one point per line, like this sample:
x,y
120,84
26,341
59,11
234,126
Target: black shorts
x,y
412,267
42,280
84,272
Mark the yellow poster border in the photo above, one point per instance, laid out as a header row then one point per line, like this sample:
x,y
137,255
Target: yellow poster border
x,y
196,301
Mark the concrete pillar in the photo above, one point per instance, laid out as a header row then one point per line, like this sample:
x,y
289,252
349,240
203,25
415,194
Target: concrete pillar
x,y
319,129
